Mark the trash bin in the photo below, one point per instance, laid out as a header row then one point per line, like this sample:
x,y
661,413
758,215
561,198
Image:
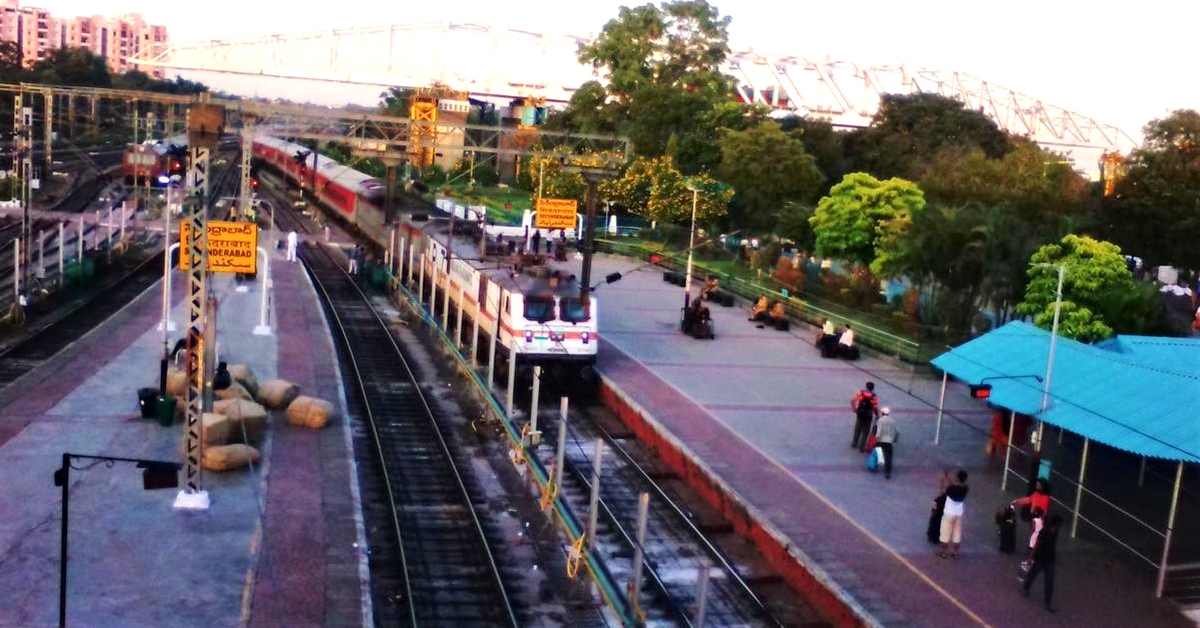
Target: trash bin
x,y
379,276
166,410
148,402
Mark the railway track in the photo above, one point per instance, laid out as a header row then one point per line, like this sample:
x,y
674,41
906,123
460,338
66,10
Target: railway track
x,y
87,311
432,565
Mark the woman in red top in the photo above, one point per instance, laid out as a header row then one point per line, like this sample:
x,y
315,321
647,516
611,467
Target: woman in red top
x,y
1038,499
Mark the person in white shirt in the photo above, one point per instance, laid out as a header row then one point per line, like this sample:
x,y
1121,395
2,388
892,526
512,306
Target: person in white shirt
x,y
292,241
847,339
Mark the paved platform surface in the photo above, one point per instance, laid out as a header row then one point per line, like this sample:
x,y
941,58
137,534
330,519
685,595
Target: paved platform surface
x,y
281,544
772,419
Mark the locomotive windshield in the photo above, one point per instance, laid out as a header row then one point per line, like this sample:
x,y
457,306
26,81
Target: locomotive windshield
x,y
571,310
540,309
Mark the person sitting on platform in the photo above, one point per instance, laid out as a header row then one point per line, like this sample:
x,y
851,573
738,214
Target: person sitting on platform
x,y
697,321
711,285
777,312
846,348
759,311
222,379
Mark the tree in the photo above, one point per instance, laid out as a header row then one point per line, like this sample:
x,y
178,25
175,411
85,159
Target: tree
x,y
586,113
1155,210
863,219
826,145
1095,271
11,68
680,44
658,113
394,102
73,66
909,129
767,168
654,188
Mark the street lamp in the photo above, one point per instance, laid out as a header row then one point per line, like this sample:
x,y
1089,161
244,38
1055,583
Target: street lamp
x,y
687,282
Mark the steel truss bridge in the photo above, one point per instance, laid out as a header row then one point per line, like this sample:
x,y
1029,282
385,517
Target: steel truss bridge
x,y
507,62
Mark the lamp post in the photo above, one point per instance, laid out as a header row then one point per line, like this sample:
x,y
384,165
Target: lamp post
x,y
1062,271
687,282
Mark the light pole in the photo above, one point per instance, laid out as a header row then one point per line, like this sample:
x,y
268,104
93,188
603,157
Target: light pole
x,y
687,282
1062,271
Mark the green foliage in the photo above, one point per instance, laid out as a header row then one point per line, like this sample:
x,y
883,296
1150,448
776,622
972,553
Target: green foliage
x,y
768,168
394,102
72,66
654,188
1095,271
11,69
909,129
793,223
1155,212
863,220
659,112
588,112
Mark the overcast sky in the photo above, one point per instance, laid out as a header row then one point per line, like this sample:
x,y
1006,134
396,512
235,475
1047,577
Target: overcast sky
x,y
1120,63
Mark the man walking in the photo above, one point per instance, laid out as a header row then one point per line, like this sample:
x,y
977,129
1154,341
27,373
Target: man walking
x,y
885,438
866,407
292,241
1043,559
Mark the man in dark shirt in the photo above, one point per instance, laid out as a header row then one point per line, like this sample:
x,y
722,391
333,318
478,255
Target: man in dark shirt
x,y
1044,557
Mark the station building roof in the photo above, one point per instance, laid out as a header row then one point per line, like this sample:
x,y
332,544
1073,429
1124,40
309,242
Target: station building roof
x,y
1135,393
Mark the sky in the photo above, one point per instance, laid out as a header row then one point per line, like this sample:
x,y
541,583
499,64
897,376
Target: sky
x,y
1121,63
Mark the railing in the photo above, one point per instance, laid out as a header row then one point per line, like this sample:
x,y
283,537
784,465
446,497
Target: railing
x,y
868,335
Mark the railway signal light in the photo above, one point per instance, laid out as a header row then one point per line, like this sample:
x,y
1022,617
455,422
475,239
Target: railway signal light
x,y
254,183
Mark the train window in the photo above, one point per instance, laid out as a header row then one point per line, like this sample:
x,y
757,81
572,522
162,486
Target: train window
x,y
540,309
571,310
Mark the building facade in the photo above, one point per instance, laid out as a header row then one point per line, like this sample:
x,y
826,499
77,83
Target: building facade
x,y
115,38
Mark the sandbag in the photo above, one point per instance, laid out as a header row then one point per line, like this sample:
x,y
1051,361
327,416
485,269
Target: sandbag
x,y
226,457
235,391
176,383
277,393
244,376
310,412
243,413
217,429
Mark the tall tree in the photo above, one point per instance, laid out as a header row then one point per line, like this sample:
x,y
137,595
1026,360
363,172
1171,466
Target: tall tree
x,y
911,128
656,189
1155,211
394,101
11,68
767,168
73,66
863,219
1094,271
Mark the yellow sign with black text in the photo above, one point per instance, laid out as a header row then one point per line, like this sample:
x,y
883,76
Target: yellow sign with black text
x,y
232,247
556,213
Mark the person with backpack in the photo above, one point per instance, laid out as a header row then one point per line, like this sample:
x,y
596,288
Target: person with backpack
x,y
866,408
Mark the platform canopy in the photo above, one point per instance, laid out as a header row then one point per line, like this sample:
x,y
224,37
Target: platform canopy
x,y
1137,397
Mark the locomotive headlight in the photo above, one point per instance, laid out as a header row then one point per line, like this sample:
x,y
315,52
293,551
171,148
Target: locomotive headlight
x,y
528,335
585,337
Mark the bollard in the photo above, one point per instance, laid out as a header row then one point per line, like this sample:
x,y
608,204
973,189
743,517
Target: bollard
x,y
594,500
535,436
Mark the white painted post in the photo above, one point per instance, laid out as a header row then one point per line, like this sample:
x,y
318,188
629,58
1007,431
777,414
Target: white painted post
x,y
420,285
458,316
1012,419
79,242
512,377
41,269
411,252
937,430
492,352
639,552
108,242
124,210
1162,567
17,270
594,500
534,435
166,324
62,244
263,329
391,260
562,443
446,303
701,597
475,334
1079,489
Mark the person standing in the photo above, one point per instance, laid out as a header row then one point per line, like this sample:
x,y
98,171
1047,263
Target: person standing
x,y
1044,557
292,241
952,514
865,405
885,438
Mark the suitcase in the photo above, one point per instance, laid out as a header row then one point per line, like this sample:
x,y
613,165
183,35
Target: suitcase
x,y
933,531
1006,529
829,349
783,324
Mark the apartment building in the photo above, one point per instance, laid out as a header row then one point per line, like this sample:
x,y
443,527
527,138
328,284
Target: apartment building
x,y
112,37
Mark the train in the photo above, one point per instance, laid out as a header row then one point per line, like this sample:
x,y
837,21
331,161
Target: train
x,y
537,311
144,163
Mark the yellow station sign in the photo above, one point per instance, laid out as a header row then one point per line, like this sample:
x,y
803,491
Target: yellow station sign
x,y
232,247
556,213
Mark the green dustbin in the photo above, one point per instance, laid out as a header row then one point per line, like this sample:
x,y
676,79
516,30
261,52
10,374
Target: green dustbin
x,y
166,410
72,271
88,268
379,276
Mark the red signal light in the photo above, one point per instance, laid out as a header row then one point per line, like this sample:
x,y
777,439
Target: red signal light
x,y
981,391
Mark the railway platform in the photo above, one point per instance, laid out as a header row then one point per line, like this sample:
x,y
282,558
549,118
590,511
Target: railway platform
x,y
760,425
280,546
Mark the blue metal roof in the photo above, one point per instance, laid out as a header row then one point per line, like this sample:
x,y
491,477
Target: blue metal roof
x,y
1143,406
1179,354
